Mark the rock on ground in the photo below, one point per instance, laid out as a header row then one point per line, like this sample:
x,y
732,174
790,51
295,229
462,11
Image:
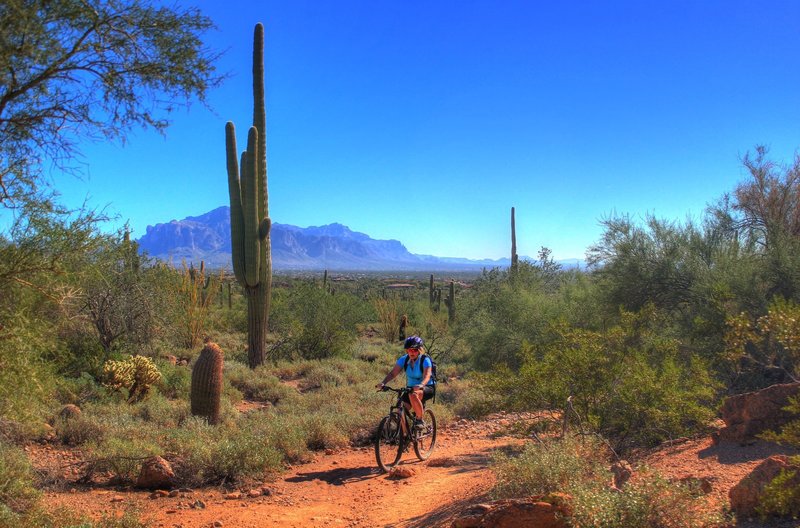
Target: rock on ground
x,y
156,473
747,415
746,495
548,511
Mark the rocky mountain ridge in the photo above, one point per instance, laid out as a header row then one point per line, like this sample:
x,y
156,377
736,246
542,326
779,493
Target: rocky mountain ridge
x,y
333,246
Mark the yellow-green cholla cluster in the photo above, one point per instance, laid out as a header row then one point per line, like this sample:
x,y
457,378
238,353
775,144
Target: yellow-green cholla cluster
x,y
136,374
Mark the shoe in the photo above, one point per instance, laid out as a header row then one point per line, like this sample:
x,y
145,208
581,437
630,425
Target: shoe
x,y
419,425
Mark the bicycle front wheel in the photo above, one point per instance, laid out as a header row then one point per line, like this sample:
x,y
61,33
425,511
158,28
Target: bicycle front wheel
x,y
387,442
425,440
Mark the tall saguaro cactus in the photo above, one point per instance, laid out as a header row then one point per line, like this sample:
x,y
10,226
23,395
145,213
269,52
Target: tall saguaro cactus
x,y
250,222
514,256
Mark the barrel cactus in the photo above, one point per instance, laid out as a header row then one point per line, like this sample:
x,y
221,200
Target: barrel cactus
x,y
207,383
250,222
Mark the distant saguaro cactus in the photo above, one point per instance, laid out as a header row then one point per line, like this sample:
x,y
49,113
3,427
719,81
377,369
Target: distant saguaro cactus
x,y
250,222
450,302
431,293
403,325
514,256
207,383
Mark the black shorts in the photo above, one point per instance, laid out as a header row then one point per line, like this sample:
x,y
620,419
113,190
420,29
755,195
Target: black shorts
x,y
428,391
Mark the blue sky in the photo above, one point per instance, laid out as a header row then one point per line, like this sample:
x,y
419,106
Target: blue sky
x,y
426,121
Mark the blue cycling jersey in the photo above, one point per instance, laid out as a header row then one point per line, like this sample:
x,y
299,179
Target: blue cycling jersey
x,y
415,370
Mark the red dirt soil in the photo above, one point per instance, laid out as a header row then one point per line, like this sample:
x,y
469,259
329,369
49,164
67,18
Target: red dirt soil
x,y
345,488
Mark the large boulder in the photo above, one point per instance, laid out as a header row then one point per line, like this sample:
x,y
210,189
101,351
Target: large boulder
x,y
156,473
746,495
747,415
550,511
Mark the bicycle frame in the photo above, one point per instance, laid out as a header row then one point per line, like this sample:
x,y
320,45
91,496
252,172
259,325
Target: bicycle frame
x,y
405,435
403,413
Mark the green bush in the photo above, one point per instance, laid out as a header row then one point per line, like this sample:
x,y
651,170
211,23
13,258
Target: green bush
x,y
175,381
204,454
319,325
781,497
17,483
549,467
630,383
256,384
122,456
580,469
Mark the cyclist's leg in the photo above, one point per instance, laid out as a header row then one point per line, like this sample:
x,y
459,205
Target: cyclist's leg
x,y
428,392
416,402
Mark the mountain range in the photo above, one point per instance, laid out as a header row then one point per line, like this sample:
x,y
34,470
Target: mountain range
x,y
334,247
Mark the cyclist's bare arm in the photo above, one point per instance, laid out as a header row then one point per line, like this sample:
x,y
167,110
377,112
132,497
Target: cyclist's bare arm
x,y
426,376
390,376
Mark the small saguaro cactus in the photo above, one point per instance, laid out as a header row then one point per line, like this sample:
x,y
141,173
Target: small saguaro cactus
x,y
403,325
250,222
207,383
450,302
514,256
431,293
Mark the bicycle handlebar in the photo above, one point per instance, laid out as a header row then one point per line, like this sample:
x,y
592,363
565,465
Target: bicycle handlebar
x,y
398,391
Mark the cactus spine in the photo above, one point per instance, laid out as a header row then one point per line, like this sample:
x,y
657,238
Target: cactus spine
x,y
207,383
250,222
514,256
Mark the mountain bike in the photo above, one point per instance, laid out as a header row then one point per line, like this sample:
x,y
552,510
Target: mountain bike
x,y
396,433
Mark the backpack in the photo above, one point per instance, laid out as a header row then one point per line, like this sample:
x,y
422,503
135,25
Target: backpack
x,y
422,358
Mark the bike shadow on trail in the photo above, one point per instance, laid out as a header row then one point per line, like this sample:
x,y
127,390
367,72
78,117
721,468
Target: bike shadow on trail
x,y
444,513
337,476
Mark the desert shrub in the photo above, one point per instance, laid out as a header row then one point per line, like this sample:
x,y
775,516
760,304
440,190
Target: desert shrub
x,y
80,430
499,314
17,482
319,324
323,431
121,455
388,317
630,383
256,384
286,432
175,381
781,497
647,502
467,398
80,389
26,383
545,468
771,341
162,412
579,467
204,454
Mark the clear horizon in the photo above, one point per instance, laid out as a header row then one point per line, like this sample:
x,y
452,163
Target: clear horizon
x,y
426,122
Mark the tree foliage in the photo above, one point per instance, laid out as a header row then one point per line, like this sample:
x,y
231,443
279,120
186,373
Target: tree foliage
x,y
73,69
630,383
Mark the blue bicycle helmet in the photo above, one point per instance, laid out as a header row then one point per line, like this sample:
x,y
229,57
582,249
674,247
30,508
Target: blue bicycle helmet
x,y
413,342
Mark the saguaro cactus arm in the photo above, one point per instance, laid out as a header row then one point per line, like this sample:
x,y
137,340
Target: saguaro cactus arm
x,y
237,215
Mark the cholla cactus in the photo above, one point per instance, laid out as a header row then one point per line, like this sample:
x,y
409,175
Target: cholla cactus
x,y
135,374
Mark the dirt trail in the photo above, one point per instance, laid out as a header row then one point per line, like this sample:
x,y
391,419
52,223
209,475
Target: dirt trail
x,y
341,489
345,489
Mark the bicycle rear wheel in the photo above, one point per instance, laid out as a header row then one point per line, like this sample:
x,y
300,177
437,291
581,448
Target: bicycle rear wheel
x,y
387,442
425,440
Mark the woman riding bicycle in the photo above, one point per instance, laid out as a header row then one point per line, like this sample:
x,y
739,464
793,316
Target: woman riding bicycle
x,y
418,376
